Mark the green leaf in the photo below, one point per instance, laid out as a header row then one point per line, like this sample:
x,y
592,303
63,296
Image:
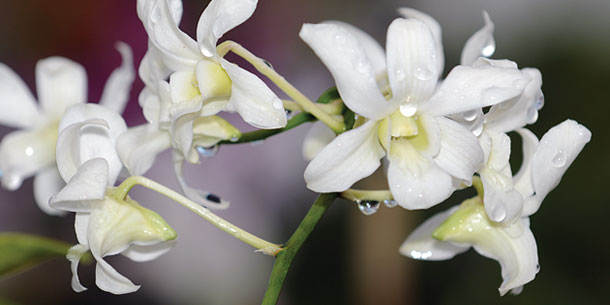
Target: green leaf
x,y
19,252
328,96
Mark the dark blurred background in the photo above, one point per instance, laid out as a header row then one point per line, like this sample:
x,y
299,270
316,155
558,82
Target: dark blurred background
x,y
350,258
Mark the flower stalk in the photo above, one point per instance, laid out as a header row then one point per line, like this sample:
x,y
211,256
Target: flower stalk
x,y
260,244
287,254
261,66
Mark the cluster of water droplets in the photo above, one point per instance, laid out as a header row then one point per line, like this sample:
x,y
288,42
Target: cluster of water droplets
x,y
370,207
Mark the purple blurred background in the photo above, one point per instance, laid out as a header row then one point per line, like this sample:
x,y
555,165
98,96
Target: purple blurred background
x,y
350,258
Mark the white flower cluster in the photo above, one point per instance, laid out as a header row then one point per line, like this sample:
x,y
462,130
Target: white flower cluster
x,y
77,151
437,133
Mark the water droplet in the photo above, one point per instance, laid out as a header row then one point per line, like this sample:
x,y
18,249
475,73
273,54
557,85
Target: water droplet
x,y
368,207
11,182
399,75
408,109
560,159
155,17
470,115
532,115
234,139
268,64
489,48
519,84
339,39
207,152
207,49
256,143
362,66
423,73
540,101
498,213
390,203
289,114
478,129
212,198
277,103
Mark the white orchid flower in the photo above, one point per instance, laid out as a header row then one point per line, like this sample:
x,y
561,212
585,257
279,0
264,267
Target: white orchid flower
x,y
502,202
512,244
399,93
105,224
201,83
60,84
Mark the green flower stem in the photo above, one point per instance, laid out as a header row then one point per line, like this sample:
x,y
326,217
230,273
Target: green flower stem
x,y
285,257
261,66
262,134
359,195
260,244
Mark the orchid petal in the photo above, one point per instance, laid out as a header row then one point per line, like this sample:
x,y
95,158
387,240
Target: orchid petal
x,y
148,252
512,245
415,181
523,179
434,27
60,83
318,137
118,85
460,154
421,245
253,100
181,128
81,225
74,255
152,69
179,51
47,183
110,280
371,47
350,66
557,150
197,195
25,152
84,189
220,17
17,104
139,146
412,61
467,88
522,110
481,43
89,131
351,156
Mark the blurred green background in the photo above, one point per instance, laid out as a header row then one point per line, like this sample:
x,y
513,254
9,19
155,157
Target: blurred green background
x,y
350,258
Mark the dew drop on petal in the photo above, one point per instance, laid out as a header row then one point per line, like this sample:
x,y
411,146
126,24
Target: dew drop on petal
x,y
560,159
207,152
390,203
423,73
408,109
540,101
368,207
339,39
470,115
11,182
519,84
277,103
207,49
532,115
399,75
489,49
